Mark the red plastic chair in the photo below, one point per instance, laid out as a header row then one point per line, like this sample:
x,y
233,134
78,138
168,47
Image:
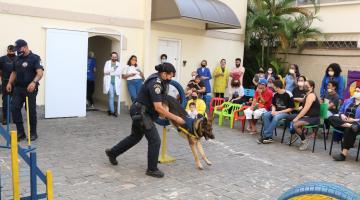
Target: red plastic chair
x,y
240,116
216,101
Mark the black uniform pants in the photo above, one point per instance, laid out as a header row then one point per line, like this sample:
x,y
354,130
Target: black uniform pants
x,y
349,134
19,98
137,133
5,95
90,88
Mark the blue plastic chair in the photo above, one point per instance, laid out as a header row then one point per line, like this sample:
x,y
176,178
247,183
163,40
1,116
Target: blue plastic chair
x,y
249,92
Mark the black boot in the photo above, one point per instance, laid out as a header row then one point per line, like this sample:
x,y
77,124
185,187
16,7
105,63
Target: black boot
x,y
21,136
155,173
33,137
339,157
111,157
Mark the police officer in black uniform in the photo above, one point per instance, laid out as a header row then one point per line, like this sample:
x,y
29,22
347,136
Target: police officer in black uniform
x,y
143,112
25,78
6,67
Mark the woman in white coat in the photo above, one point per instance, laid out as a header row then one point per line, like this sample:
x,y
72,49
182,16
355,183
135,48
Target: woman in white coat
x,y
112,74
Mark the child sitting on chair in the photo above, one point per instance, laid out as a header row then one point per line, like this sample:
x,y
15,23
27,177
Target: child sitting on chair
x,y
192,112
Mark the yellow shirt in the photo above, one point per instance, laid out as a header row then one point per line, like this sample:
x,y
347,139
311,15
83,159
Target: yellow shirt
x,y
220,82
200,106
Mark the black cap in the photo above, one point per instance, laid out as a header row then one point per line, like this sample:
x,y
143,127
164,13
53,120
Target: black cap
x,y
165,67
11,47
20,43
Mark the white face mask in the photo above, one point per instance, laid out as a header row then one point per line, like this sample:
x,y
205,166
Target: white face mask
x,y
331,73
356,95
163,60
301,83
291,71
329,90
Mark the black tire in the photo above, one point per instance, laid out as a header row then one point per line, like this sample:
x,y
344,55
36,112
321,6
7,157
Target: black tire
x,y
321,189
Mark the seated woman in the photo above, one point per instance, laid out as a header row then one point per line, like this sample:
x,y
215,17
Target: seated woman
x,y
332,98
309,115
348,121
236,92
299,93
195,85
199,103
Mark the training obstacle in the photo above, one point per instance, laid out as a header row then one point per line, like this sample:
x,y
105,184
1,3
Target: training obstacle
x,y
164,157
29,156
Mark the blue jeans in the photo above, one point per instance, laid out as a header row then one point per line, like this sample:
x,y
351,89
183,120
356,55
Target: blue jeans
x,y
134,88
111,99
270,122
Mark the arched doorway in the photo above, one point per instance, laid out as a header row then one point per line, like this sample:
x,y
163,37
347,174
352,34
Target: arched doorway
x,y
101,46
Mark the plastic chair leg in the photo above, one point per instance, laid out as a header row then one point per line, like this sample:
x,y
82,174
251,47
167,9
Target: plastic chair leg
x,y
231,122
220,120
315,136
331,144
324,129
243,125
282,137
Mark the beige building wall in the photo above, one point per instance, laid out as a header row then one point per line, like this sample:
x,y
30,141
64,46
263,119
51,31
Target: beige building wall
x,y
29,20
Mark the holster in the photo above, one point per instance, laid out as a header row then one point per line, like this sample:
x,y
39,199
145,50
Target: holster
x,y
138,113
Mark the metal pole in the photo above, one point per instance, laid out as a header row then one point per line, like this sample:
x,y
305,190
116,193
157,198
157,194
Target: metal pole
x,y
15,166
49,185
33,184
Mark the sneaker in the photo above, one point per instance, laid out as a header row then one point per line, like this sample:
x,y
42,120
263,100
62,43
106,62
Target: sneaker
x,y
260,140
155,173
293,138
304,145
268,140
339,157
111,157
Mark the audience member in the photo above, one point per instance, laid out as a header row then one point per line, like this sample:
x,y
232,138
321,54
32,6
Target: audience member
x,y
237,73
348,121
236,92
260,104
205,75
196,85
200,104
134,77
333,72
192,112
221,74
309,115
299,93
258,76
332,98
291,77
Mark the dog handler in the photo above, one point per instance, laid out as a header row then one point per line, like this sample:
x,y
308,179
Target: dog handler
x,y
146,108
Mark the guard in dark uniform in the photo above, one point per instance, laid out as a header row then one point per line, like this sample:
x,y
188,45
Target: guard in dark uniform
x,y
25,78
6,67
143,112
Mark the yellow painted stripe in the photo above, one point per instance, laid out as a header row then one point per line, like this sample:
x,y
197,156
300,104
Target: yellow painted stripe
x,y
28,119
15,166
49,185
313,197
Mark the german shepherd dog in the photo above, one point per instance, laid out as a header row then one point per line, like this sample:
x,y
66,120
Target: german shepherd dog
x,y
202,127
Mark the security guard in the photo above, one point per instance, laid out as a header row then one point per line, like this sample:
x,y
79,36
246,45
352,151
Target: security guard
x,y
25,76
147,108
6,67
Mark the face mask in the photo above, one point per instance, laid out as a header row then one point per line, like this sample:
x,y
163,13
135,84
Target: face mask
x,y
301,83
329,90
237,65
11,55
20,53
166,81
163,60
203,65
356,95
194,97
291,71
331,73
270,85
269,72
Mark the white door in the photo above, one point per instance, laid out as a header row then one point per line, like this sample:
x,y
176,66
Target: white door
x,y
65,80
172,49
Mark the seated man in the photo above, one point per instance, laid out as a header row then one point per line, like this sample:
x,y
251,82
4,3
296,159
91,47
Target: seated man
x,y
196,85
260,104
282,105
199,103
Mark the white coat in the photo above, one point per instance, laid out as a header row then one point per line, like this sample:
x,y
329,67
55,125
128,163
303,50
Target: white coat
x,y
107,78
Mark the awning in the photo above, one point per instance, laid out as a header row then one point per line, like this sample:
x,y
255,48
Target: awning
x,y
216,14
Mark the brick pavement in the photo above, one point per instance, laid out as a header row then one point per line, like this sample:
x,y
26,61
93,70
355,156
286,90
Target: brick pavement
x,y
74,150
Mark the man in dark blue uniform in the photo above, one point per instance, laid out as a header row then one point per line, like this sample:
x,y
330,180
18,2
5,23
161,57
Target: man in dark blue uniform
x,y
6,67
146,109
25,77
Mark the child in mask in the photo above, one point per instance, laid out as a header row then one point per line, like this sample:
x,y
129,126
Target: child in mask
x,y
192,112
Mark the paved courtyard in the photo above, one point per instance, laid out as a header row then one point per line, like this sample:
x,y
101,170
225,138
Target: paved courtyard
x,y
73,149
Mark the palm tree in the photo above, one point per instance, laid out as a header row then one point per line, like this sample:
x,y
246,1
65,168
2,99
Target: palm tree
x,y
278,25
